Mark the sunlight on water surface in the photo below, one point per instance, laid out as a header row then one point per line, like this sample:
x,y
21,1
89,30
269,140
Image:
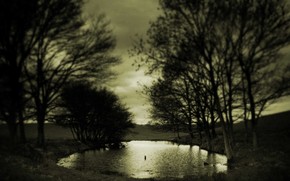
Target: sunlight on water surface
x,y
146,159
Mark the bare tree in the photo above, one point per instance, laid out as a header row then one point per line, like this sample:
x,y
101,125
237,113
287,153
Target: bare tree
x,y
183,35
228,46
17,38
257,33
43,45
171,104
75,52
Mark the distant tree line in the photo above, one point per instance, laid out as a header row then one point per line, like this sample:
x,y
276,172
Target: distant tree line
x,y
217,62
44,44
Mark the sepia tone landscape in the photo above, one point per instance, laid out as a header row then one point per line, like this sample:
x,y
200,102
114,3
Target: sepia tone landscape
x,y
271,161
144,90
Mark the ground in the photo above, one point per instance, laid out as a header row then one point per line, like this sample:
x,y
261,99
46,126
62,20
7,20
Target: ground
x,y
271,161
23,162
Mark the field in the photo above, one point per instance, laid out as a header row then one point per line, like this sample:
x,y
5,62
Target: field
x,y
271,161
55,132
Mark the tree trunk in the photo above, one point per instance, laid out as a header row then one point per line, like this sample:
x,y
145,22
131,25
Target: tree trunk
x,y
231,122
177,131
199,128
212,124
207,132
178,135
229,128
208,137
230,103
15,98
191,136
40,134
228,147
40,129
12,127
190,131
253,112
200,136
245,110
213,132
255,134
22,128
246,130
231,134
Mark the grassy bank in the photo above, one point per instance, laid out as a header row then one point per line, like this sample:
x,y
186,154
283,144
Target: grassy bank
x,y
271,161
26,162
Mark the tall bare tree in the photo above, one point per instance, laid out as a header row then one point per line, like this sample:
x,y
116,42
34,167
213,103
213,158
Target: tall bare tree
x,y
76,52
227,45
264,74
17,39
43,45
182,35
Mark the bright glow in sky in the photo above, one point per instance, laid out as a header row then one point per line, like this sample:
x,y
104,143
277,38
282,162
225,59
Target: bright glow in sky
x,y
128,18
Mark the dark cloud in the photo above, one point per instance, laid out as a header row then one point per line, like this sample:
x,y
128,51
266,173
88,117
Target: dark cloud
x,y
128,18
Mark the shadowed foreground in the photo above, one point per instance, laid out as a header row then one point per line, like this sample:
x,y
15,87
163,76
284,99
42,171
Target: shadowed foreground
x,y
271,161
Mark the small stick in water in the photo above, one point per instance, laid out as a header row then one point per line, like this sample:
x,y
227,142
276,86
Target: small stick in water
x,y
145,157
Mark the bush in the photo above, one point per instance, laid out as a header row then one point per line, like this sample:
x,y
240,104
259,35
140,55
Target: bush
x,y
96,116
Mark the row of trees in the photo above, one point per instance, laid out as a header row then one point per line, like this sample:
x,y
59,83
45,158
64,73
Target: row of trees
x,y
43,45
217,61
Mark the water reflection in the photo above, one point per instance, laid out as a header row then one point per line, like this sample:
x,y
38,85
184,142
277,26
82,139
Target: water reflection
x,y
145,159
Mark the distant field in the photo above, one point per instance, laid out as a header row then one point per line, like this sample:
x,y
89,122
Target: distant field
x,y
52,131
145,132
269,123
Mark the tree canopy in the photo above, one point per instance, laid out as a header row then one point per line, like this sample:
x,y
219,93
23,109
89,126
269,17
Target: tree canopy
x,y
44,45
226,53
96,118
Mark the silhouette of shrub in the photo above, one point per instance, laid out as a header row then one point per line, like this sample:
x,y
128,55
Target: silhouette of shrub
x,y
96,116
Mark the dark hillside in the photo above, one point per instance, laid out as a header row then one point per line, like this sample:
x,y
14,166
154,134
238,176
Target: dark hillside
x,y
270,123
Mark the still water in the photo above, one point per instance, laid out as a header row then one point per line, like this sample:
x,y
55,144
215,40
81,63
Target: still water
x,y
147,159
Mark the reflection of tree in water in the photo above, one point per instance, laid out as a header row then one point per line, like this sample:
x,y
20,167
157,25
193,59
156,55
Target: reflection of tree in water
x,y
163,160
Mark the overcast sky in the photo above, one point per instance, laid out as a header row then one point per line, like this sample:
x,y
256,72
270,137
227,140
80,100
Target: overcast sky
x,y
128,18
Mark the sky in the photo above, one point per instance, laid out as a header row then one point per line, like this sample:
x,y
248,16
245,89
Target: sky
x,y
128,18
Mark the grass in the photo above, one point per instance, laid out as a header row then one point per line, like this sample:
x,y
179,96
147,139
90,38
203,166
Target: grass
x,y
21,163
55,132
271,161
